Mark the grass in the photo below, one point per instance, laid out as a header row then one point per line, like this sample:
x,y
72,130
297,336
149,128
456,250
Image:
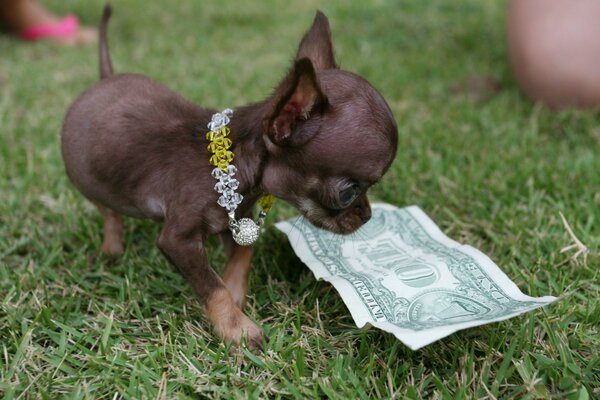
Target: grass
x,y
495,175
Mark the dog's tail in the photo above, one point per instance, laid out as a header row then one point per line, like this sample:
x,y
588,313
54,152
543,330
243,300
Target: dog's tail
x,y
106,69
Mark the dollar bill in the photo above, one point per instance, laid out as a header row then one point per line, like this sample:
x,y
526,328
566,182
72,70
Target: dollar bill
x,y
401,274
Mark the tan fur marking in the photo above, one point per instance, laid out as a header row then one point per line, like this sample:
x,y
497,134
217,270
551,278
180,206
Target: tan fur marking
x,y
229,322
236,274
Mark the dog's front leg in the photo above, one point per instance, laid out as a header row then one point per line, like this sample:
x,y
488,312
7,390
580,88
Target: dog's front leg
x,y
237,271
186,251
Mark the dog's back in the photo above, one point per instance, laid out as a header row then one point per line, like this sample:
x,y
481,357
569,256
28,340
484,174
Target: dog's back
x,y
117,126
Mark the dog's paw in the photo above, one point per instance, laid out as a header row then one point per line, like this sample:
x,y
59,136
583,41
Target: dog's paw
x,y
230,323
243,330
112,248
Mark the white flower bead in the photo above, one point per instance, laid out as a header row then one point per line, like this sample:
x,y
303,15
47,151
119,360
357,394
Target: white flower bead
x,y
225,179
220,120
231,170
222,201
228,193
233,184
237,198
217,173
219,187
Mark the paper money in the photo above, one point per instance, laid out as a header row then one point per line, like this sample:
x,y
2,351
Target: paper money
x,y
400,273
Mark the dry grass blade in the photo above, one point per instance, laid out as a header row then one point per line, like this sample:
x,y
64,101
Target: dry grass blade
x,y
582,249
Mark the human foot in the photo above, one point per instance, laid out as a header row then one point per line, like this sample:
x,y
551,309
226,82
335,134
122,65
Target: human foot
x,y
33,22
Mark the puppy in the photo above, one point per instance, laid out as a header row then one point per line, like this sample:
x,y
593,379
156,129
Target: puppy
x,y
133,147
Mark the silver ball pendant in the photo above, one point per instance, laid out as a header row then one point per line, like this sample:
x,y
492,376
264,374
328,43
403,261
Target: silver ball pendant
x,y
247,232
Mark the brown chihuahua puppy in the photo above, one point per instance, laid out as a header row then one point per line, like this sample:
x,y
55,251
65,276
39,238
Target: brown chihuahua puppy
x,y
136,148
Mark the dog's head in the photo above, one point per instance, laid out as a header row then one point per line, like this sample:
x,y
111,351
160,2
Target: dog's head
x,y
330,136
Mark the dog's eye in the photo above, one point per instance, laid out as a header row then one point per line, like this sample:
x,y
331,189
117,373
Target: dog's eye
x,y
348,195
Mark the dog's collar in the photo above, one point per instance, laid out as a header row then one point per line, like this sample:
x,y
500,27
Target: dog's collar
x,y
245,231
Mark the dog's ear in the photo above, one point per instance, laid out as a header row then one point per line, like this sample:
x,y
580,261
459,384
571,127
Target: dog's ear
x,y
316,44
297,97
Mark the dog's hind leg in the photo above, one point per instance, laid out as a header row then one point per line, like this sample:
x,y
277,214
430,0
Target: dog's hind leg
x,y
112,245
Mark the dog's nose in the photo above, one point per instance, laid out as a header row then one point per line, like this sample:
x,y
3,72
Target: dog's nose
x,y
364,213
365,217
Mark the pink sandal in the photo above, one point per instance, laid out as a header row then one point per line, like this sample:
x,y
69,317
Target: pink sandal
x,y
63,29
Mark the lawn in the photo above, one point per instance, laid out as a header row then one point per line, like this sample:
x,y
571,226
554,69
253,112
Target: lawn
x,y
495,174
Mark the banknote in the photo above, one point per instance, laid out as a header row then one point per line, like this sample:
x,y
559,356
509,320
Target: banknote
x,y
401,274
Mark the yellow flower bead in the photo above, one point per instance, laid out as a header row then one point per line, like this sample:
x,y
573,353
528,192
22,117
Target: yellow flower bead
x,y
223,164
224,131
266,202
221,153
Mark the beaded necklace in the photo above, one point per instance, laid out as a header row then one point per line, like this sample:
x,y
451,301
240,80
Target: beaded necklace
x,y
244,231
